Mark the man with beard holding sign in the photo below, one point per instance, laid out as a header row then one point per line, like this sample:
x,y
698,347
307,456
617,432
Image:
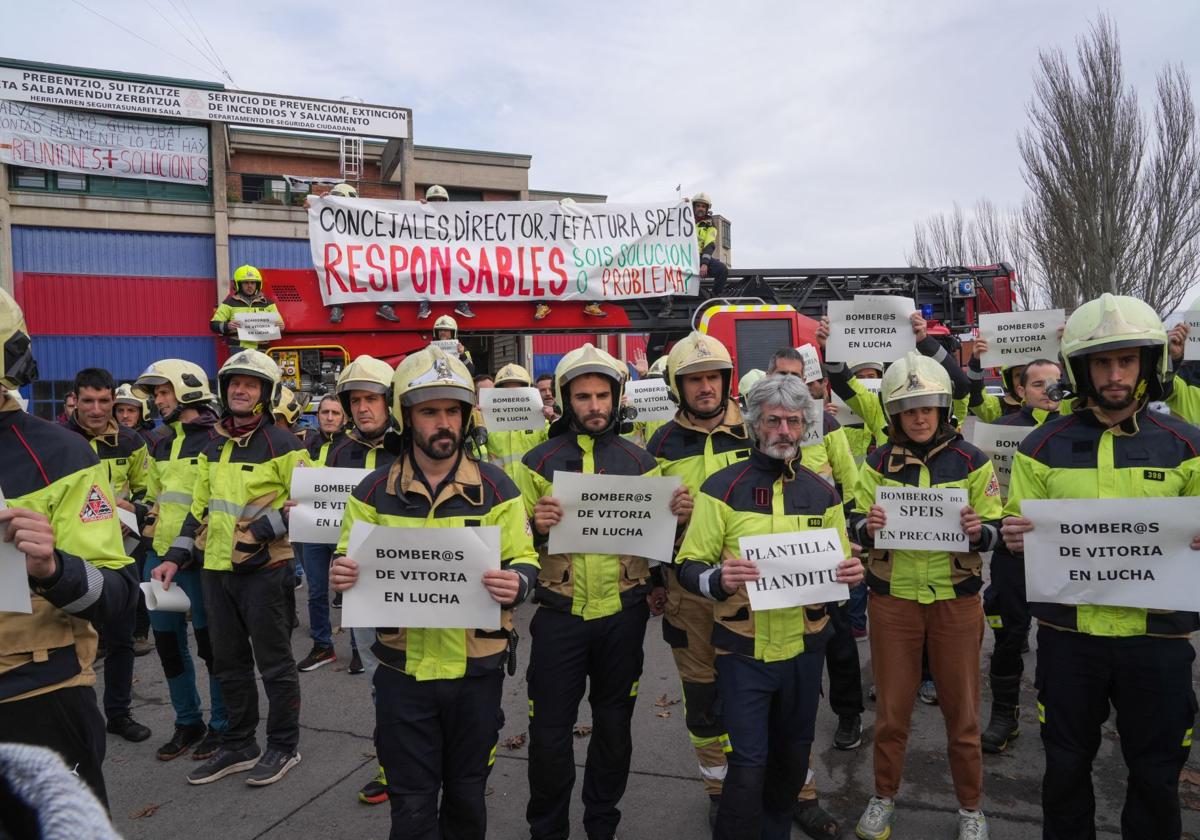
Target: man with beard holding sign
x,y
1111,446
769,664
437,691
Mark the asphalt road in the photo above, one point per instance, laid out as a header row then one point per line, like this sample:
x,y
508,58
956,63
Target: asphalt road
x,y
151,800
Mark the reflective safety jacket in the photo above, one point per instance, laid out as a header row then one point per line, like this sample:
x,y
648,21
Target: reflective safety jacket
x,y
928,576
987,407
587,585
866,404
1082,457
235,305
124,454
761,495
505,449
319,444
174,469
832,458
1184,400
47,469
241,484
706,237
473,495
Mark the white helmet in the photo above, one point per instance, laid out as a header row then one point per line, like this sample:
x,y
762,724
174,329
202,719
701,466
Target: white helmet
x,y
437,193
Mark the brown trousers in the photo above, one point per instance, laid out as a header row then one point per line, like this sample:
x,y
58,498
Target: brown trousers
x,y
953,631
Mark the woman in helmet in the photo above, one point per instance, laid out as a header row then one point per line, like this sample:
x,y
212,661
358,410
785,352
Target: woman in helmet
x,y
445,328
927,597
245,297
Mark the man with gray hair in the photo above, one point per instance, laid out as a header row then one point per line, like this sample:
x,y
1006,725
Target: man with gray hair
x,y
769,677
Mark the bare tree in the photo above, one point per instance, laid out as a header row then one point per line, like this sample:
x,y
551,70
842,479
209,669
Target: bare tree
x,y
1104,213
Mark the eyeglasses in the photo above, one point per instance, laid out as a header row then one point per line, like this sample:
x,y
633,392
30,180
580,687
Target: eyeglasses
x,y
772,422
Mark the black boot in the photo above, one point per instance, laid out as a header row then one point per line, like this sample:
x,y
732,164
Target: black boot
x,y
1005,723
814,820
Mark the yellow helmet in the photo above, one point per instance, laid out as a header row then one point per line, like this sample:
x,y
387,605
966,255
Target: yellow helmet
x,y
17,366
366,373
749,380
287,407
513,372
431,374
187,379
915,381
1116,322
446,323
694,354
437,193
124,395
580,361
344,190
256,364
247,274
658,369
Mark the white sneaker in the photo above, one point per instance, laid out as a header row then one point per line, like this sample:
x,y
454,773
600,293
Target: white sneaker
x,y
972,825
876,821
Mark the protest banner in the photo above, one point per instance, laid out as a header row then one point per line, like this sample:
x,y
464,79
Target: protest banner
x,y
422,577
870,328
1114,552
615,514
652,399
845,415
164,99
812,363
14,580
258,326
795,569
512,409
321,495
449,346
1001,443
102,144
922,518
1017,338
387,251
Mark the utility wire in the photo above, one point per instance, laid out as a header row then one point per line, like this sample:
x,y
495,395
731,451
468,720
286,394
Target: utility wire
x,y
212,49
139,37
182,35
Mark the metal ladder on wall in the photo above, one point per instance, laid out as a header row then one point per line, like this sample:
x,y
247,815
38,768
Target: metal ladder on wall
x,y
350,154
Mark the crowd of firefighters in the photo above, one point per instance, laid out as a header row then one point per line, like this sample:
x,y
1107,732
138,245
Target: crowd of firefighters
x,y
209,490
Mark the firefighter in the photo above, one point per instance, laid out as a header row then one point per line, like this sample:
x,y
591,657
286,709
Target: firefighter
x,y
123,452
184,401
363,388
927,598
445,328
706,240
769,677
749,379
133,412
1004,598
506,448
540,308
286,410
1091,657
245,297
331,425
988,407
437,193
592,612
242,482
336,312
1184,398
60,514
438,692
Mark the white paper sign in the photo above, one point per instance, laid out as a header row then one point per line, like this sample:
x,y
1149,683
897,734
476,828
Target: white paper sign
x,y
258,326
128,519
449,346
14,580
870,328
165,600
512,409
321,495
922,518
1017,338
615,514
814,425
812,363
1116,552
422,577
652,400
1001,442
795,569
845,416
1191,317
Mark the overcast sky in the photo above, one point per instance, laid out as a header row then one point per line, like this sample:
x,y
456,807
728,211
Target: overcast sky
x,y
823,131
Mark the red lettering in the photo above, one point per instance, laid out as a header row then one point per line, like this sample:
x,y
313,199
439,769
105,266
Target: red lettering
x,y
422,285
487,283
398,262
377,277
534,258
504,264
466,285
352,268
333,258
439,263
556,267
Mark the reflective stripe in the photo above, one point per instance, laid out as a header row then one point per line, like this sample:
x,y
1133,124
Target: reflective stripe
x,y
95,586
226,507
531,709
716,774
1187,738
186,543
633,691
175,497
504,460
996,622
726,746
1042,713
492,756
706,583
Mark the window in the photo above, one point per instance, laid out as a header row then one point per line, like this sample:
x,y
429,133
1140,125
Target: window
x,y
46,398
31,179
71,182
